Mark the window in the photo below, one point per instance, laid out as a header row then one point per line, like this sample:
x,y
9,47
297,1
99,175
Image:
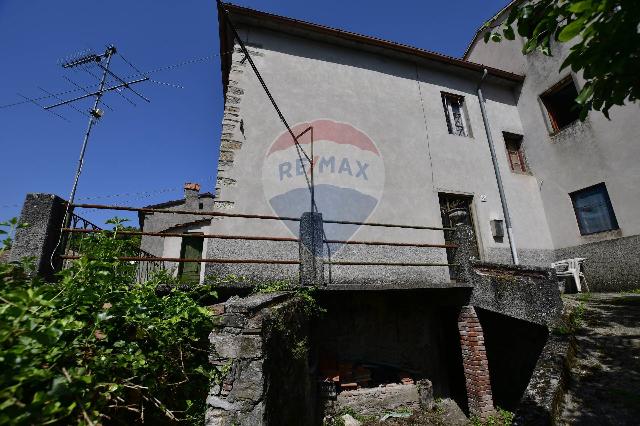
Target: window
x,y
191,249
560,102
594,211
515,153
454,112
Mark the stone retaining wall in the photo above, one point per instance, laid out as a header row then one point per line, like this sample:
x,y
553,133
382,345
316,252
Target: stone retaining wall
x,y
260,347
611,265
544,396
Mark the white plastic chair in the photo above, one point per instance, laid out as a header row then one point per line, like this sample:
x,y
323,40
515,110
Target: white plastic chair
x,y
572,268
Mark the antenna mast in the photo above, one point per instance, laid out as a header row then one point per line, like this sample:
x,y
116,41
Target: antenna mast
x,y
95,113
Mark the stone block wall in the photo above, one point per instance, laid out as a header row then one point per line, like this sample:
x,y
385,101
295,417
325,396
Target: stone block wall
x,y
233,136
610,265
260,349
475,364
44,214
543,398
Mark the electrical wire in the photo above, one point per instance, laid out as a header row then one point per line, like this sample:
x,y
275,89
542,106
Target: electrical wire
x,y
163,83
86,69
268,93
70,105
86,91
131,195
33,101
85,88
129,63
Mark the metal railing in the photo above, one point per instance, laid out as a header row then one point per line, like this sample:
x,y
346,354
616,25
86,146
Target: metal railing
x,y
81,227
77,226
386,243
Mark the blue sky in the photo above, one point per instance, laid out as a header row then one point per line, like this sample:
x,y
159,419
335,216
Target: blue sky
x,y
150,150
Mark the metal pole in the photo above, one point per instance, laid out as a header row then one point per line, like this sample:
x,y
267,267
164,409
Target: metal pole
x,y
503,200
313,190
95,115
313,203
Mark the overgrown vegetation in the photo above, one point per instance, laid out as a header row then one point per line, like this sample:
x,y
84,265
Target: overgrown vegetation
x,y
500,418
311,306
96,348
337,419
572,321
10,227
605,37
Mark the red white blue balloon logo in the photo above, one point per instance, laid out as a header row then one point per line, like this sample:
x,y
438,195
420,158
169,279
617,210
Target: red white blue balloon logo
x,y
349,175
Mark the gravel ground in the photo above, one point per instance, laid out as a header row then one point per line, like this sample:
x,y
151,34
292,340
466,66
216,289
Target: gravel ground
x,y
605,380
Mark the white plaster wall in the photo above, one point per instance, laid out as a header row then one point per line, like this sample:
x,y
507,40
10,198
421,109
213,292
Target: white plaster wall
x,y
381,96
582,155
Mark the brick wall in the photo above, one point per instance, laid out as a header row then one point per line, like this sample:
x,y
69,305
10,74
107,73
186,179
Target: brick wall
x,y
475,363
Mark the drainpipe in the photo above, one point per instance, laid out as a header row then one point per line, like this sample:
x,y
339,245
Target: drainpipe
x,y
503,200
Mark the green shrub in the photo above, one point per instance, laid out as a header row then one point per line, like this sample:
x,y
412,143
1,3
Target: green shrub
x,y
10,227
570,323
500,418
96,348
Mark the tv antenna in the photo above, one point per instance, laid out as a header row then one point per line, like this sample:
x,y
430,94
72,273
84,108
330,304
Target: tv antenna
x,y
103,61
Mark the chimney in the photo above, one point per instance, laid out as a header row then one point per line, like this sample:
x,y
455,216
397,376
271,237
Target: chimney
x,y
191,191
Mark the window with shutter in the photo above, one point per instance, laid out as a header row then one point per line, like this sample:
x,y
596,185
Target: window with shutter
x,y
515,152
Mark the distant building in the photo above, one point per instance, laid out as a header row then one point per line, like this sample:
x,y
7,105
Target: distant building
x,y
191,246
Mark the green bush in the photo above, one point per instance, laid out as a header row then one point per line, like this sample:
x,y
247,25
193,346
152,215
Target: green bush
x,y
96,348
500,418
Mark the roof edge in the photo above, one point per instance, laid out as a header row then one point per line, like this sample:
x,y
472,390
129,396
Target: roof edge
x,y
494,18
177,202
283,22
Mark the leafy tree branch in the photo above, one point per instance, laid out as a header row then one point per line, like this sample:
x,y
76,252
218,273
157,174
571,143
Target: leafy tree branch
x,y
606,49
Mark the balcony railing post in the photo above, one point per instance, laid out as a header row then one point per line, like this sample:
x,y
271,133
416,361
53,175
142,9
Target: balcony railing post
x,y
311,262
463,238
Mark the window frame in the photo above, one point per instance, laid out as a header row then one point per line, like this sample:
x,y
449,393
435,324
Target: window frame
x,y
612,215
449,114
544,100
524,165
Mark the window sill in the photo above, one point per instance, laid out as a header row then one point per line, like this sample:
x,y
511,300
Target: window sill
x,y
460,136
574,123
602,235
521,173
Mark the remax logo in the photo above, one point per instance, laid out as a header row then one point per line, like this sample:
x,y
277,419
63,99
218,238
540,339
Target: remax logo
x,y
349,175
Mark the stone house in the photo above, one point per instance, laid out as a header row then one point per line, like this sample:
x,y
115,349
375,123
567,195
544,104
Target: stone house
x,y
179,247
400,138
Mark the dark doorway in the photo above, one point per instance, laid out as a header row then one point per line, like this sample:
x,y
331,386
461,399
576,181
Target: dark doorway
x,y
191,249
455,209
513,348
410,331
